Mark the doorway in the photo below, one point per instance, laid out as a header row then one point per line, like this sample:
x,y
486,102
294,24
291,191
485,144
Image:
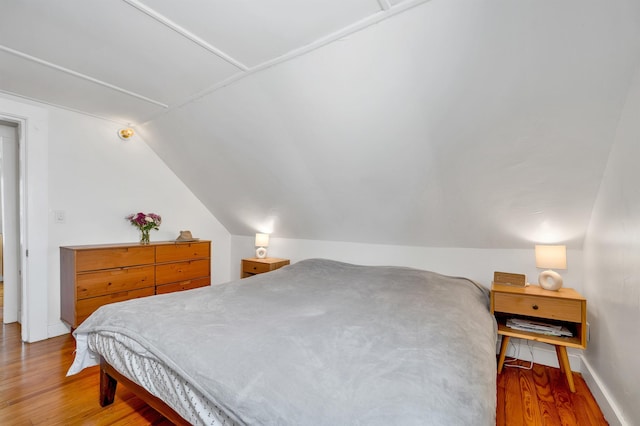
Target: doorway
x,y
33,136
10,272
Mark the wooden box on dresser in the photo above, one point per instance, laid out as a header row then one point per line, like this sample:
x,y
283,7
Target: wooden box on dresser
x,y
95,275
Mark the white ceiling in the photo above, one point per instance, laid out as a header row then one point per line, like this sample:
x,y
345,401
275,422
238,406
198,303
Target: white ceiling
x,y
450,123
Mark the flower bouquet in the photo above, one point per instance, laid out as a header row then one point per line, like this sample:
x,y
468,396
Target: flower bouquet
x,y
145,222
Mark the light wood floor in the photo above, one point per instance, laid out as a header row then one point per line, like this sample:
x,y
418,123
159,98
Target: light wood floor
x,y
541,396
35,391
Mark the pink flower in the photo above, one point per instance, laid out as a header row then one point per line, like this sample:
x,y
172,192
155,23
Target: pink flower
x,y
145,221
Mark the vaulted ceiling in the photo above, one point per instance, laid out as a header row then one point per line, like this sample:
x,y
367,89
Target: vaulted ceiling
x,y
448,123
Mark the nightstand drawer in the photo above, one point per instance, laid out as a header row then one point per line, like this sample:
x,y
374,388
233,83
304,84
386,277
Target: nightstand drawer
x,y
255,267
537,306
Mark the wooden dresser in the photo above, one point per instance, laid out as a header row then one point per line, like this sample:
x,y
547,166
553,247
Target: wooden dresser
x,y
95,275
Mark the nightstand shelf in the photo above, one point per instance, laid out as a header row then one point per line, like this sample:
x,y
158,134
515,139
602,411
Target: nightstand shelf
x,y
564,307
571,342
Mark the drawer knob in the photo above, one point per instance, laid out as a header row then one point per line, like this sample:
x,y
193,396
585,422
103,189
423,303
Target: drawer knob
x,y
535,307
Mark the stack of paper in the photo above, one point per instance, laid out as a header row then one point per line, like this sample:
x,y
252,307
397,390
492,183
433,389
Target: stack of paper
x,y
538,327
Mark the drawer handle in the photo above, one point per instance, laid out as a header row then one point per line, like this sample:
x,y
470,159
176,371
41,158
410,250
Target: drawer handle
x,y
535,307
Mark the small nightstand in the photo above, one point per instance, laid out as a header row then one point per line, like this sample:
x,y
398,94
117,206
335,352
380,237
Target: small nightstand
x,y
254,266
566,307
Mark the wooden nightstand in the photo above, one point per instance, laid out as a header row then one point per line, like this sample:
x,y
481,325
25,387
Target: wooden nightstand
x,y
565,307
254,266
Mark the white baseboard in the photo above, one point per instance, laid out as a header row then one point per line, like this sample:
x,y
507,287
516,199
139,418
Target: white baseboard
x,y
601,394
59,329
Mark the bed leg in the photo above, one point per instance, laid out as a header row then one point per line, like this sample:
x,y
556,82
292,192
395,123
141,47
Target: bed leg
x,y
107,388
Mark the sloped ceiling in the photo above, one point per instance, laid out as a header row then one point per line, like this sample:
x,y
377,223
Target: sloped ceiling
x,y
447,123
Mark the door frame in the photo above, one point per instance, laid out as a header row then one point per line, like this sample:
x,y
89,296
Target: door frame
x,y
12,203
33,123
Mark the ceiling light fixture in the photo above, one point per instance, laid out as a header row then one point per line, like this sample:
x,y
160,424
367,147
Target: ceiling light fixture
x,y
126,134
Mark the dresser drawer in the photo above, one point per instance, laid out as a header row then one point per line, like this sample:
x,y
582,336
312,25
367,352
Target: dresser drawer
x,y
183,285
92,284
181,271
538,306
182,251
91,260
86,307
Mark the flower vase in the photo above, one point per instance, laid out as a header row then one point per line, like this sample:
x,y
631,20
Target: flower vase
x,y
144,236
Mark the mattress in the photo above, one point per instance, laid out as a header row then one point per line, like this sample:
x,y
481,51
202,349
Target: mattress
x,y
140,366
319,342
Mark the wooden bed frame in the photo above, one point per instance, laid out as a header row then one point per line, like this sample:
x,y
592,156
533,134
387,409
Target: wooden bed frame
x,y
109,378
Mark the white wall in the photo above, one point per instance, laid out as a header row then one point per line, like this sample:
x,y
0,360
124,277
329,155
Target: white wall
x,y
612,259
477,264
97,179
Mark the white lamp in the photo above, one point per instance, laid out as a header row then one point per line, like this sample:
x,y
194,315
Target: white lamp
x,y
552,257
262,242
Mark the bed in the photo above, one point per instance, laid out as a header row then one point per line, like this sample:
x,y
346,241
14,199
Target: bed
x,y
319,342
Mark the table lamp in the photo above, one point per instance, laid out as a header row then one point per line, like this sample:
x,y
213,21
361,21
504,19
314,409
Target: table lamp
x,y
262,242
551,257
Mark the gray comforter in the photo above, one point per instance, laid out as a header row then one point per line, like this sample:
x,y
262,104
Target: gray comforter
x,y
326,343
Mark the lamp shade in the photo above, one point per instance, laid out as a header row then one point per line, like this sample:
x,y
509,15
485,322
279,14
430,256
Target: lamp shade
x,y
552,257
262,240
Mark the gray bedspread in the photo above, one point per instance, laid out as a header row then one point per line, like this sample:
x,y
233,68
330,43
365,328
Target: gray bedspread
x,y
326,343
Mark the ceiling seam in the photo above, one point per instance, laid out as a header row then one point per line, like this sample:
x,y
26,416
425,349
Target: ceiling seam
x,y
337,35
185,33
384,4
40,101
80,75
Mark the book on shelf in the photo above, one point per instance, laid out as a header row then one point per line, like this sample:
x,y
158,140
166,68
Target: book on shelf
x,y
538,327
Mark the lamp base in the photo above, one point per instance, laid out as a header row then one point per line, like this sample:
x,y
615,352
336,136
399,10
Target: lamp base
x,y
261,252
550,280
